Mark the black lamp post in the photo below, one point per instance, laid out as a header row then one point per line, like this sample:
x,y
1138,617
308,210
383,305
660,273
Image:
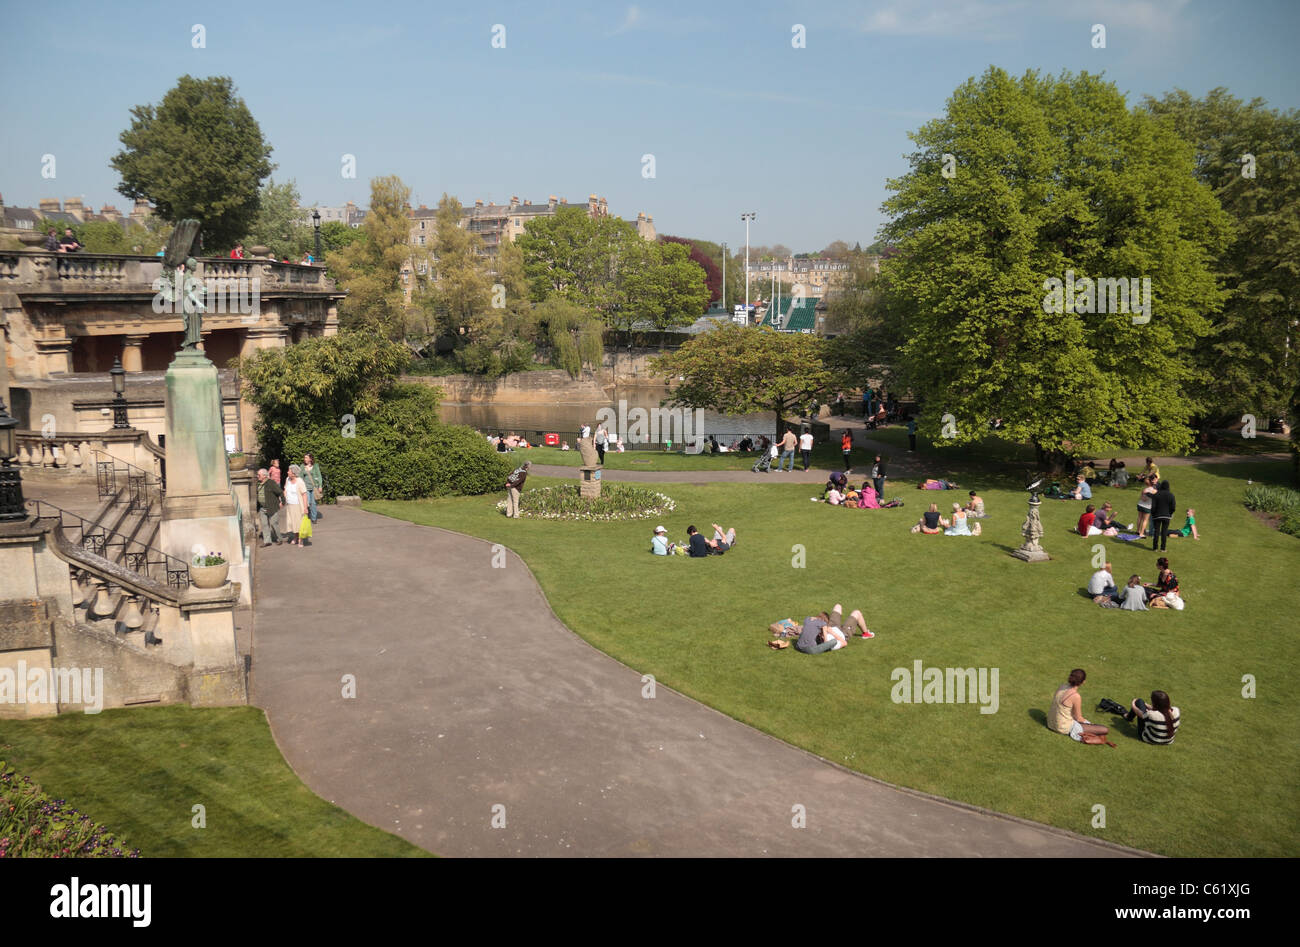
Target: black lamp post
x,y
315,219
11,481
119,392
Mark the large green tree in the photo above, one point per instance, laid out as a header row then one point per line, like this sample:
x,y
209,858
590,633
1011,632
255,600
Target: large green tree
x,y
741,369
1051,179
277,224
1246,153
370,268
198,154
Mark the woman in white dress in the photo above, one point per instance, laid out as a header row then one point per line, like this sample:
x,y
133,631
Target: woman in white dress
x,y
295,505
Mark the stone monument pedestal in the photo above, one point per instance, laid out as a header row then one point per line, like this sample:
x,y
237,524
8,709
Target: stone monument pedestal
x,y
200,514
1032,530
589,487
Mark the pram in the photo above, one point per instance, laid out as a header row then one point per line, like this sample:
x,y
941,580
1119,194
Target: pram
x,y
764,463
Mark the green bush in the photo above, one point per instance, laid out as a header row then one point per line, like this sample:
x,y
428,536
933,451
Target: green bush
x,y
446,460
617,501
1291,523
1269,499
32,825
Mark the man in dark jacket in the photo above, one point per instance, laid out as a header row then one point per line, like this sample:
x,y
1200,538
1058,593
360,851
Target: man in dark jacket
x,y
1163,506
269,498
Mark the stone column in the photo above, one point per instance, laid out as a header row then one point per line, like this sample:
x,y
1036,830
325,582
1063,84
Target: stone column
x,y
132,354
199,510
54,356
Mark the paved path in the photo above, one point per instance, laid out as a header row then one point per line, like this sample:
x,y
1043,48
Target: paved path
x,y
470,694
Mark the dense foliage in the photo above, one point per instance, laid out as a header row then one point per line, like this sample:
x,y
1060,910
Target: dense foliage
x,y
198,154
1051,178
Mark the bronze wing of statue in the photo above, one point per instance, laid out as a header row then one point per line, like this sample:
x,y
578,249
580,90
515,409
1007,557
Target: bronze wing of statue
x,y
183,242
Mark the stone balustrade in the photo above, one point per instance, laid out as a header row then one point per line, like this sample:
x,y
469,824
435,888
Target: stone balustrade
x,y
75,450
44,272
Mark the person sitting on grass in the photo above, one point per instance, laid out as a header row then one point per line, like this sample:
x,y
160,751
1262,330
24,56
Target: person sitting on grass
x,y
660,545
1134,596
931,523
828,632
867,499
722,541
1087,525
1189,526
1104,520
1081,489
931,484
959,526
975,506
834,497
1118,474
564,445
1102,588
1165,584
1066,713
836,481
1157,724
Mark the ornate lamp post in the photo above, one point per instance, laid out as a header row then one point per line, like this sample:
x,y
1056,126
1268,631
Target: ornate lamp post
x,y
119,395
315,219
11,480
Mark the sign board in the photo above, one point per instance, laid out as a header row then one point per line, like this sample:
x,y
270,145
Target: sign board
x,y
741,315
230,443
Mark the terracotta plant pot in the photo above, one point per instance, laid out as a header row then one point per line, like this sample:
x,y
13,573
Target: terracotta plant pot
x,y
238,461
209,577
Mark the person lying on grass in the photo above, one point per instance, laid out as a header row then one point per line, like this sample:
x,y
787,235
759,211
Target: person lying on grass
x,y
937,485
722,541
827,631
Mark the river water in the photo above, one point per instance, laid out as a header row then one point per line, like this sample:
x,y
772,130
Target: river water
x,y
637,418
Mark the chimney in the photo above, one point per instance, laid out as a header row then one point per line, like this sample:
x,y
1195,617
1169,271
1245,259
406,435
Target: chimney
x,y
564,200
73,206
422,207
49,205
514,202
552,201
478,203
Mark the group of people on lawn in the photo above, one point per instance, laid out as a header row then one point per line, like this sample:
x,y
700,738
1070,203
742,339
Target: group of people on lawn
x,y
695,546
932,522
1136,597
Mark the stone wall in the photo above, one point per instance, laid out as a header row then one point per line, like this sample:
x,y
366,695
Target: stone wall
x,y
521,388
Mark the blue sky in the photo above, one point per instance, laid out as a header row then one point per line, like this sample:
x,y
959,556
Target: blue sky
x,y
736,117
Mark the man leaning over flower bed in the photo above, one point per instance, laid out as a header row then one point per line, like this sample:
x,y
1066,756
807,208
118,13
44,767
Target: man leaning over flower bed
x,y
514,484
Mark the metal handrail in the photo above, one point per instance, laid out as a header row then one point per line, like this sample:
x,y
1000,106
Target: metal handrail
x,y
142,487
145,560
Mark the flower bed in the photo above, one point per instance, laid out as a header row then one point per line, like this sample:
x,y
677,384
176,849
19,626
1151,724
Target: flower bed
x,y
617,501
32,825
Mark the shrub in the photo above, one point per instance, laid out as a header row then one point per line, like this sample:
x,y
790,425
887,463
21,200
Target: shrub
x,y
1264,498
1290,523
617,501
381,465
32,825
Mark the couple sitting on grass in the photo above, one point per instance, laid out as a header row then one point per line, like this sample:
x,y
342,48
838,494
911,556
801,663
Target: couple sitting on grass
x,y
825,632
932,522
696,545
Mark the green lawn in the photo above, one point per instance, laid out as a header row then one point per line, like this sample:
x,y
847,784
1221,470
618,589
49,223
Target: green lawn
x,y
141,771
823,455
1227,787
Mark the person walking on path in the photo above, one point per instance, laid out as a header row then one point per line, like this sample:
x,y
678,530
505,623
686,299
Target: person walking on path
x,y
805,447
313,478
602,441
846,445
514,484
269,497
911,435
1162,511
295,506
878,476
788,443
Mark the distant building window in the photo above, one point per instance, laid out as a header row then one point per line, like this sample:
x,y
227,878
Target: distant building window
x,y
422,225
421,241
423,268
